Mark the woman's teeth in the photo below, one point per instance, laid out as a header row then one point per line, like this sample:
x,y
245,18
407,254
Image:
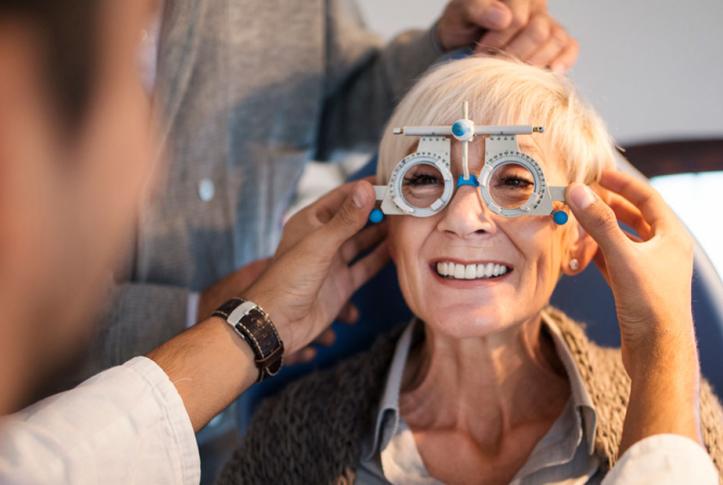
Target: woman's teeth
x,y
470,271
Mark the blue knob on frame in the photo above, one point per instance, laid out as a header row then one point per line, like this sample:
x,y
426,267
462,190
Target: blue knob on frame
x,y
463,130
376,216
560,217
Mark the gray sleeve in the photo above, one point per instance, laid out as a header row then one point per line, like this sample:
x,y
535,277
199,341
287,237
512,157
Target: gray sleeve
x,y
365,78
139,318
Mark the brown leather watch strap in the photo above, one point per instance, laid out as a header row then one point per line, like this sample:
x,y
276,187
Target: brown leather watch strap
x,y
254,326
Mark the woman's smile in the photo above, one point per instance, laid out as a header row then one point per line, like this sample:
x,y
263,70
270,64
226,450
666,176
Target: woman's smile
x,y
469,274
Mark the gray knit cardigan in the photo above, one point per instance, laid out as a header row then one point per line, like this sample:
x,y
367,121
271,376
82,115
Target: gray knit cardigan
x,y
313,431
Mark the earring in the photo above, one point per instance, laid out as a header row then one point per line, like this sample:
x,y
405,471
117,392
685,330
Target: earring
x,y
574,264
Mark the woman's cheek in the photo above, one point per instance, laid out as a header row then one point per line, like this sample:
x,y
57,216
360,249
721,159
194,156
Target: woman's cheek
x,y
393,239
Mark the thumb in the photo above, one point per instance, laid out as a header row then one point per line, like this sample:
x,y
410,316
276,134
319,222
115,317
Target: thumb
x,y
351,217
597,218
491,14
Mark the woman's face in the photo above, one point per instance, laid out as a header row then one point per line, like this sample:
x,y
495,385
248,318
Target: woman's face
x,y
527,253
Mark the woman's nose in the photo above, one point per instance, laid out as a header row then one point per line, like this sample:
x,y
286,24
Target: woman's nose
x,y
467,215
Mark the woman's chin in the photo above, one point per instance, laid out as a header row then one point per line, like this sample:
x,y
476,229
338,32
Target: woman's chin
x,y
467,322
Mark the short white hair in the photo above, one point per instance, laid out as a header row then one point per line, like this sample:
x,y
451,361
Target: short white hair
x,y
504,91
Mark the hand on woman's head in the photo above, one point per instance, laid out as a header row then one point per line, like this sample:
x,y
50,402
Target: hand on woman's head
x,y
523,29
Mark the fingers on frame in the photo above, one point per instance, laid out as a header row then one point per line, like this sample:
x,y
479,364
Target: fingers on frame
x,y
640,194
630,215
327,338
347,221
349,314
369,265
305,355
324,209
362,241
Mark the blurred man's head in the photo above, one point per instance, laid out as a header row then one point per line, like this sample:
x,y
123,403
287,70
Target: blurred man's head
x,y
75,154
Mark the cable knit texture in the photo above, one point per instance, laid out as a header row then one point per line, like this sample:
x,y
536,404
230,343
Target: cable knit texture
x,y
312,432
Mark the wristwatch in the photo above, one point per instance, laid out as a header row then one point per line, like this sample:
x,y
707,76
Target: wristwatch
x,y
253,325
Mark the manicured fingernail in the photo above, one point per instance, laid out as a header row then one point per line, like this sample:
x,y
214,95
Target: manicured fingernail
x,y
359,196
581,196
496,16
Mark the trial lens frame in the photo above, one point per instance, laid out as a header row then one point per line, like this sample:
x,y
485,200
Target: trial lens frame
x,y
501,148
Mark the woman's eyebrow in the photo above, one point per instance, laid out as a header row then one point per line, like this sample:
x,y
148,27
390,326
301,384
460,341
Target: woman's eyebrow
x,y
529,147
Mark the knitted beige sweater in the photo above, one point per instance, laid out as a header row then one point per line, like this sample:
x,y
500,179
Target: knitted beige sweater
x,y
608,384
312,432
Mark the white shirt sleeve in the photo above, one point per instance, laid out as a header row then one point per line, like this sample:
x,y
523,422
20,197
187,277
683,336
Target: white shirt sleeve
x,y
664,459
125,425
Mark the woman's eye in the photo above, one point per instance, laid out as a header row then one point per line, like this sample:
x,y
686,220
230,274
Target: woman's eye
x,y
421,179
514,182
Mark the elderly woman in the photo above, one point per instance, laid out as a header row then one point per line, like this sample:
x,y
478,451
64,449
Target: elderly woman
x,y
488,383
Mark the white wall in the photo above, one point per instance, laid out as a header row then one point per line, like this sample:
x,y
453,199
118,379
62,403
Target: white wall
x,y
652,74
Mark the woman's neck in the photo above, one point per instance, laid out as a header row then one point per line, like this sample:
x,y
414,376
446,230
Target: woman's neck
x,y
484,387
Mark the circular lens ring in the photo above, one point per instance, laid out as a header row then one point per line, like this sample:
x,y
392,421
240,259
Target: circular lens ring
x,y
397,179
513,158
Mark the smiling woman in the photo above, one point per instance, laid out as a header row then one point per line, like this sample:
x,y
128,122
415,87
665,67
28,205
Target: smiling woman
x,y
488,384
509,266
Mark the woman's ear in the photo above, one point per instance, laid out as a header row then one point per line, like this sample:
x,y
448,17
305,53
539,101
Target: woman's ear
x,y
580,250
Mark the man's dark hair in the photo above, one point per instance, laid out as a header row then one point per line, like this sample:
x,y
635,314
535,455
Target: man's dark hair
x,y
68,32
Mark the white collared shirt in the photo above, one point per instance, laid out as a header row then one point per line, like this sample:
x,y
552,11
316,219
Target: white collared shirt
x,y
125,425
563,456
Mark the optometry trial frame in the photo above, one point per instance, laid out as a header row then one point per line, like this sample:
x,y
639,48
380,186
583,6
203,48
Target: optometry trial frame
x,y
511,182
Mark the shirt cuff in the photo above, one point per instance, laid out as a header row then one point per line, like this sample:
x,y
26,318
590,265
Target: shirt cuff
x,y
192,308
180,427
124,425
664,459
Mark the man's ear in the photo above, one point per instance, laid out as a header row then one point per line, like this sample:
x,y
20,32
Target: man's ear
x,y
581,247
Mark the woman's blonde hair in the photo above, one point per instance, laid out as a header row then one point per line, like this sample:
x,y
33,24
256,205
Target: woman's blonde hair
x,y
504,91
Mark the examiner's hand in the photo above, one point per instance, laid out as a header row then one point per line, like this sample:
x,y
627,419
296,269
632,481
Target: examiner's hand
x,y
229,286
650,275
522,28
316,268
